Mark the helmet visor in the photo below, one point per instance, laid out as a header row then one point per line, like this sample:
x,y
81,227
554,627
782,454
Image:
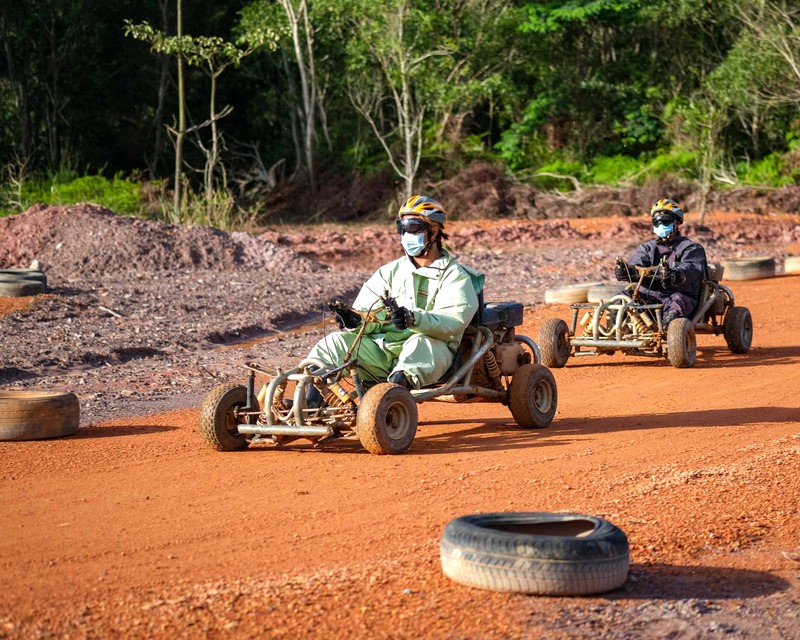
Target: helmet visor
x,y
412,225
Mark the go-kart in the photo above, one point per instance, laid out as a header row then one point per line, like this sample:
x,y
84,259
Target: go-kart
x,y
628,324
493,364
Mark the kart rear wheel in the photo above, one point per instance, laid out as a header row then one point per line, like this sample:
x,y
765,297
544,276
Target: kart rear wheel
x,y
554,342
681,343
738,329
533,396
218,424
387,419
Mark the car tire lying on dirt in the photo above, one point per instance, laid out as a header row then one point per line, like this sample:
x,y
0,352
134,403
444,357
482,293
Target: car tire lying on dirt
x,y
753,268
24,274
555,554
568,294
38,415
791,264
604,292
14,287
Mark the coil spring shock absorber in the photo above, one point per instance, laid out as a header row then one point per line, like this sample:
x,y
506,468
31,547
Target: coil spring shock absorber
x,y
588,325
638,326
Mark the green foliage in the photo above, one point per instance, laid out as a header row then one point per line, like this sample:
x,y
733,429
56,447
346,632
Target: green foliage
x,y
614,170
552,16
118,194
770,171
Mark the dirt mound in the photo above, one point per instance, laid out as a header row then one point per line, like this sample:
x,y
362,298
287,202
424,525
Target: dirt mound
x,y
87,240
483,190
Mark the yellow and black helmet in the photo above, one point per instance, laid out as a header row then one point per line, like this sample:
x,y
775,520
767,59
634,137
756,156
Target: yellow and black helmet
x,y
423,206
667,206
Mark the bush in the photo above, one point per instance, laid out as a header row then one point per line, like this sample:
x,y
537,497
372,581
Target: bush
x,y
64,188
770,171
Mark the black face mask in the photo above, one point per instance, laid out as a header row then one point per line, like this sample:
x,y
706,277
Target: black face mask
x,y
412,225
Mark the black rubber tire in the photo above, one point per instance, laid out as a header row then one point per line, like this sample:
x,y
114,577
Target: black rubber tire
x,y
738,329
681,343
387,419
218,426
752,268
37,415
554,554
24,274
554,343
533,396
12,287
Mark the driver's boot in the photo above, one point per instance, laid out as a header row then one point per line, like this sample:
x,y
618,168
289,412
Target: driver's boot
x,y
398,377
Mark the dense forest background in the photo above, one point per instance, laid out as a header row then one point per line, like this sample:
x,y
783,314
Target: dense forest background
x,y
231,111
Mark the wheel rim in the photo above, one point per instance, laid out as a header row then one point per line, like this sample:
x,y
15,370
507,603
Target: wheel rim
x,y
562,345
747,331
232,422
543,396
690,342
397,422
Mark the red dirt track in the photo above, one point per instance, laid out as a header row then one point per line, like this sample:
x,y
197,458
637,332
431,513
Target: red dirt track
x,y
135,528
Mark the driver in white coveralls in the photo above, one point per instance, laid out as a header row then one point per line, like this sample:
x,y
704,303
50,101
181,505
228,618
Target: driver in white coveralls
x,y
436,299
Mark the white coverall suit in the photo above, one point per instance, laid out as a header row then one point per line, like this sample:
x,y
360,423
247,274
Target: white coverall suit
x,y
443,298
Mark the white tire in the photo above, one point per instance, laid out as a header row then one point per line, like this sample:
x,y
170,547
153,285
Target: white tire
x,y
604,291
568,294
752,268
792,264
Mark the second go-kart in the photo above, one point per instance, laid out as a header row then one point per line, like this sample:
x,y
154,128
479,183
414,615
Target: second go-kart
x,y
625,323
493,364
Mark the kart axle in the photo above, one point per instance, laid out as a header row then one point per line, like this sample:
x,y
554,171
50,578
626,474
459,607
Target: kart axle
x,y
307,431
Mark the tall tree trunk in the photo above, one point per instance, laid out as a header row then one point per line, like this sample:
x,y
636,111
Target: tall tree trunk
x,y
176,203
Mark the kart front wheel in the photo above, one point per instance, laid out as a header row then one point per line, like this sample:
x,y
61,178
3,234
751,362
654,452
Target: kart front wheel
x,y
387,419
738,329
681,343
554,342
218,424
533,396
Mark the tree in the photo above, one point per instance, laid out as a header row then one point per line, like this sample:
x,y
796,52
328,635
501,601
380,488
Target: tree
x,y
213,55
263,25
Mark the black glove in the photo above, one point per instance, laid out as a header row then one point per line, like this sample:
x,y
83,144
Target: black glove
x,y
672,278
402,318
345,316
624,272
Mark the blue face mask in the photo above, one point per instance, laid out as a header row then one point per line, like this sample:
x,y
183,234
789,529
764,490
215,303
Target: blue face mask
x,y
413,243
664,230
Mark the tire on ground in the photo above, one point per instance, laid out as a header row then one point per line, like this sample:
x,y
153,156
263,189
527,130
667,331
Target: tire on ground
x,y
604,292
218,424
37,415
569,294
24,274
555,554
753,268
738,327
12,287
554,343
387,418
533,396
681,343
791,264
